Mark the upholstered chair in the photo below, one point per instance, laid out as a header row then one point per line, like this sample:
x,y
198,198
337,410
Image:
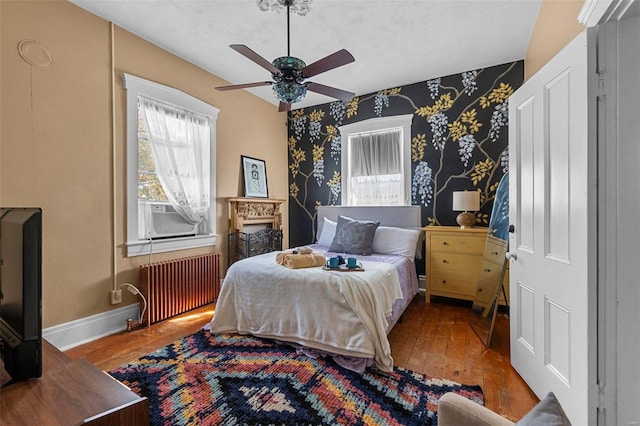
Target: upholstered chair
x,y
456,410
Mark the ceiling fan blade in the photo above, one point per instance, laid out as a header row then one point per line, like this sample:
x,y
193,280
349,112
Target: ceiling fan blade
x,y
250,54
335,60
244,86
284,107
343,95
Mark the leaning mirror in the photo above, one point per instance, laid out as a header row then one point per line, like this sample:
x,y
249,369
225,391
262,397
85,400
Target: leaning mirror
x,y
491,275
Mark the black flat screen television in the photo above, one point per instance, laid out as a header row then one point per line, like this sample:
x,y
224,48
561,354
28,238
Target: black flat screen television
x,y
21,292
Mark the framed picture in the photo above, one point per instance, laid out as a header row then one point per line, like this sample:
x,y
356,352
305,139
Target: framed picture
x,y
255,177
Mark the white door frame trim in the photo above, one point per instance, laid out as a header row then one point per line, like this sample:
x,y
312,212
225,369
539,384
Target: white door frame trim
x,y
596,12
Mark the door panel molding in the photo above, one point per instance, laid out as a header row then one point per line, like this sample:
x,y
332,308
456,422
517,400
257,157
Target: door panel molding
x,y
525,160
557,340
526,317
557,183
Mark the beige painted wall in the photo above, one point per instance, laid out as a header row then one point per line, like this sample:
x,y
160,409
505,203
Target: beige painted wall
x,y
56,146
556,26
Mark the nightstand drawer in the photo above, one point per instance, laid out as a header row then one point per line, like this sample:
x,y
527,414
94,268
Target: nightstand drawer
x,y
486,291
490,271
461,286
495,249
457,243
454,262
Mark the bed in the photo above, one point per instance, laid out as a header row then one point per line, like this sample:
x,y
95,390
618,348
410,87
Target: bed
x,y
346,315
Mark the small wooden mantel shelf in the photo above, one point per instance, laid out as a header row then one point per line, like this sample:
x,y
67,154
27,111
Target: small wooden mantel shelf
x,y
254,211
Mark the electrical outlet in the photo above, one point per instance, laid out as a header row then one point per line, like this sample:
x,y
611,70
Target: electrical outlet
x,y
116,296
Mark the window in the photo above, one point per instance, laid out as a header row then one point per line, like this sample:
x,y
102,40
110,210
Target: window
x,y
376,162
171,149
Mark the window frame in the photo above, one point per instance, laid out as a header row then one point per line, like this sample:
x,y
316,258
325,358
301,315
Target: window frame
x,y
377,124
134,87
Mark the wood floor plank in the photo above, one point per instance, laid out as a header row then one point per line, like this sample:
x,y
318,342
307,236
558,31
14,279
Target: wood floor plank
x,y
432,338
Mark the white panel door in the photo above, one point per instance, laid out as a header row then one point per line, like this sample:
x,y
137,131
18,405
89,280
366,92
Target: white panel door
x,y
549,245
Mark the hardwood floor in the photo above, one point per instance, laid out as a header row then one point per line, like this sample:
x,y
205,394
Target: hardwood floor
x,y
435,339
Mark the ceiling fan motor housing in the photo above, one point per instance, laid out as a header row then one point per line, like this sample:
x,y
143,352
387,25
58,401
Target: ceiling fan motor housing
x,y
289,84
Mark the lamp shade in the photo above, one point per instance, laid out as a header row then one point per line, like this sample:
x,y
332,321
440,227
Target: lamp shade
x,y
466,201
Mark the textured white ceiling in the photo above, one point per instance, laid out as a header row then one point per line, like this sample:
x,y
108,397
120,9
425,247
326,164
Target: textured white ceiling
x,y
395,42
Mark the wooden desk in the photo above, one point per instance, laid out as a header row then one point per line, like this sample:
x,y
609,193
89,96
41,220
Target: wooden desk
x,y
71,393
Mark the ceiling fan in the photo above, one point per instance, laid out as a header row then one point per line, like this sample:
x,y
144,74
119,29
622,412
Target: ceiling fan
x,y
289,73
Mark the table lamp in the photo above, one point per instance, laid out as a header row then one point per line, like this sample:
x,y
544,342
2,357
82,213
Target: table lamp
x,y
466,202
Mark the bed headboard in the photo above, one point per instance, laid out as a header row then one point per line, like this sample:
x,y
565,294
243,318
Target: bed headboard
x,y
399,216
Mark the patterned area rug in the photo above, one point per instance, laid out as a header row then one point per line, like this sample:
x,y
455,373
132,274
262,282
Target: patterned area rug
x,y
206,379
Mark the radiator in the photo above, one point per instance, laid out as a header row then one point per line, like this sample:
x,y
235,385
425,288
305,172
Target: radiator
x,y
177,286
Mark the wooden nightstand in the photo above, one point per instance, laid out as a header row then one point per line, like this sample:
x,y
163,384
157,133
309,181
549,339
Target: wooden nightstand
x,y
453,260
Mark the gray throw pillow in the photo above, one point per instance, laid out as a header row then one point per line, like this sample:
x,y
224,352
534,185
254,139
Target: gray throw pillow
x,y
353,236
547,412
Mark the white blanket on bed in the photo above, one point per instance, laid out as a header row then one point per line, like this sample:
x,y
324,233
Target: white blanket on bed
x,y
339,312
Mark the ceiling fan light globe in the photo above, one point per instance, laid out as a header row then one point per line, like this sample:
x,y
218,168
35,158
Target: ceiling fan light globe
x,y
289,92
289,63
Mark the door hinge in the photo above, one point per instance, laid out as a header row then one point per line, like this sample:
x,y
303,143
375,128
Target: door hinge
x,y
597,403
601,84
597,398
601,397
606,405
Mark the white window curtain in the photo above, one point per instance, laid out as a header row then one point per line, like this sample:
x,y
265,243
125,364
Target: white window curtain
x,y
376,169
180,144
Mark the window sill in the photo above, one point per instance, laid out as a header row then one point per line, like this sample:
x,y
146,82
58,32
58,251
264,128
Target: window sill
x,y
144,247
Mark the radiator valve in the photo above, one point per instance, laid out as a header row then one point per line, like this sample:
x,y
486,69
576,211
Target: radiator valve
x,y
131,324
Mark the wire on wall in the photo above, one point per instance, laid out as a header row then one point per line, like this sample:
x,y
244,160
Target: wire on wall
x,y
134,290
113,159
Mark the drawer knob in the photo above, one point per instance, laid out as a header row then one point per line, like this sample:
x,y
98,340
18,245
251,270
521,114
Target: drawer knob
x,y
487,270
445,261
444,281
444,243
495,253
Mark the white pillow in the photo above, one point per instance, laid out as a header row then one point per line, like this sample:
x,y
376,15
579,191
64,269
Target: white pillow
x,y
390,240
327,232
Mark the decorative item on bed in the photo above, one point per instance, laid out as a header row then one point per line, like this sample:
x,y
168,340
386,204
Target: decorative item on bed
x,y
303,257
323,311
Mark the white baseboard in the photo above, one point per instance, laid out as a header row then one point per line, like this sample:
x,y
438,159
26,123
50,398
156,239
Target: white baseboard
x,y
74,333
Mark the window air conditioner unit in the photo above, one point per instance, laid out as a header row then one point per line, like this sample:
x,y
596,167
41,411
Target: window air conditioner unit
x,y
165,222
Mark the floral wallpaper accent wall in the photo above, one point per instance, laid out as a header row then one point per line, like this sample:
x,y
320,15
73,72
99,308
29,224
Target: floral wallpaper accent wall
x,y
459,141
